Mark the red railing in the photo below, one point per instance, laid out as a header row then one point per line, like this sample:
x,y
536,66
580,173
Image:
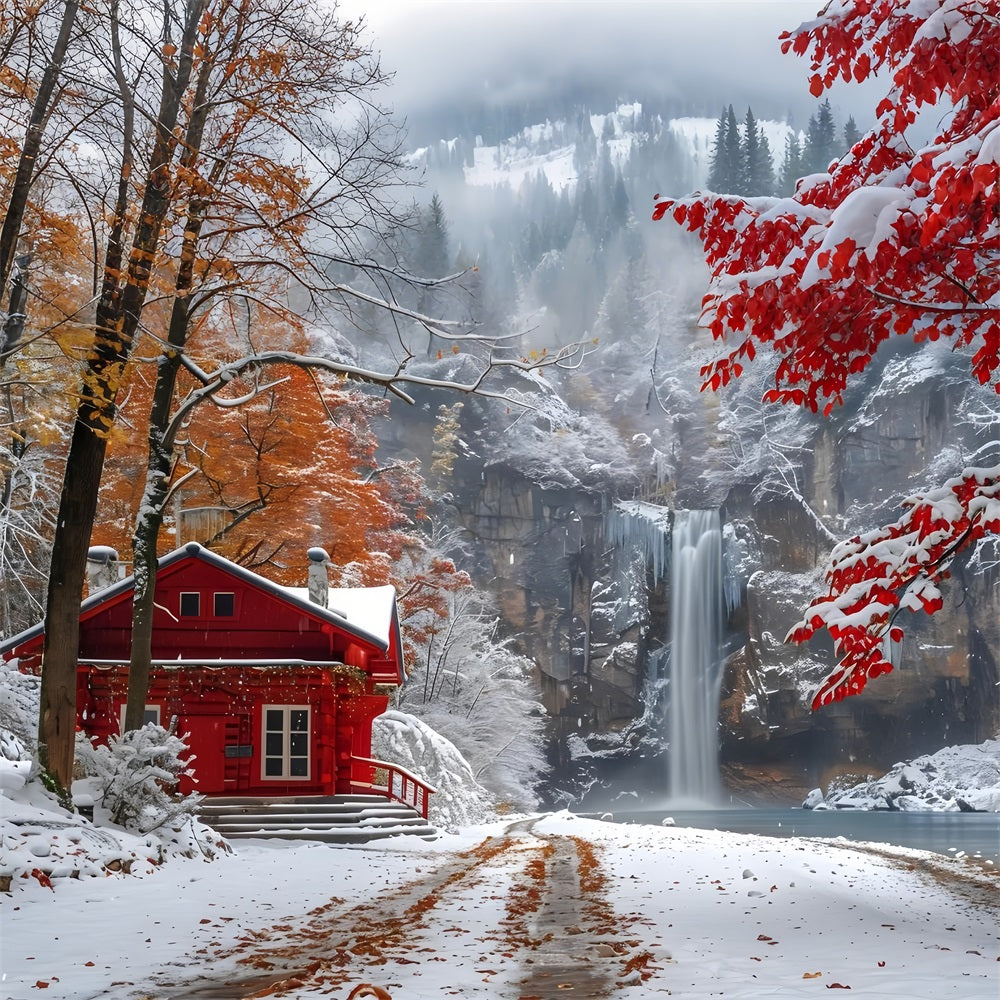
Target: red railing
x,y
382,778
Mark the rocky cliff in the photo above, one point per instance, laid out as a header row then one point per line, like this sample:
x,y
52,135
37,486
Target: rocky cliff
x,y
592,611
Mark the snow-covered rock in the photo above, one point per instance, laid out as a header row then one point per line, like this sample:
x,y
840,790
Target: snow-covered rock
x,y
955,779
815,800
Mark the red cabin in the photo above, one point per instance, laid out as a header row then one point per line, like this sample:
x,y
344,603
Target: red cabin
x,y
274,693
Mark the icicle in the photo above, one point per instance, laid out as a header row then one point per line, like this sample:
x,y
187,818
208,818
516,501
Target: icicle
x,y
636,525
735,558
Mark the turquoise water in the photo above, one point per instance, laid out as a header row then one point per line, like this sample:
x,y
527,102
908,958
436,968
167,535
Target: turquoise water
x,y
944,832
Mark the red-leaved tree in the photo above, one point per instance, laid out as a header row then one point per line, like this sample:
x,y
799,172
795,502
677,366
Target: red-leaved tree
x,y
891,241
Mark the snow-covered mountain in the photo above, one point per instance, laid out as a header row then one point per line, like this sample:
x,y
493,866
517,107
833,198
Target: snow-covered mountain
x,y
556,218
552,147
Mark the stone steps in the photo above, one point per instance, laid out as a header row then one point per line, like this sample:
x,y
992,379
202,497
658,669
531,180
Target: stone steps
x,y
338,819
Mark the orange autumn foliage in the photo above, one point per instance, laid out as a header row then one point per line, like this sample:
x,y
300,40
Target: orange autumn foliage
x,y
295,467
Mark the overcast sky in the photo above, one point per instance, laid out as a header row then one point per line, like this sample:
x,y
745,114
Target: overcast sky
x,y
705,51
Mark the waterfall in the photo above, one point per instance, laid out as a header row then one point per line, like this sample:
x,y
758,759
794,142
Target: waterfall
x,y
696,591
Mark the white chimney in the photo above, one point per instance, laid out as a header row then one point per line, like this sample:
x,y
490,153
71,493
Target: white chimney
x,y
319,581
102,568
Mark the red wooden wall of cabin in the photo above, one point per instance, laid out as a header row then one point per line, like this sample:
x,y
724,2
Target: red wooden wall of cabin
x,y
220,714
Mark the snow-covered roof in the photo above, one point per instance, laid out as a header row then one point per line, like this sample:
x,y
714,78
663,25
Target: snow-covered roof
x,y
367,608
365,612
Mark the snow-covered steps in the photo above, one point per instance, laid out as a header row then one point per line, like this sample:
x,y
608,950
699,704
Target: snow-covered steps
x,y
338,819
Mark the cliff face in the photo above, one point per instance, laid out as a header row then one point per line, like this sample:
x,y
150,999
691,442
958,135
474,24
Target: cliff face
x,y
906,430
595,620
555,588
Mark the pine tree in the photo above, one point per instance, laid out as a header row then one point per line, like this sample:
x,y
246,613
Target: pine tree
x,y
851,133
724,172
433,260
756,168
716,169
791,165
762,180
820,146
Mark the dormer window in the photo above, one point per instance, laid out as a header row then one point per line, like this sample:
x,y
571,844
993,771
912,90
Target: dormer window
x,y
190,605
225,605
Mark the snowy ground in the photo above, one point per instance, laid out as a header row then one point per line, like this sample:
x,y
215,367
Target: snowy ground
x,y
530,908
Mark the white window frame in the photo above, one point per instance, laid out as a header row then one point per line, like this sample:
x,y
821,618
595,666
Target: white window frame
x,y
149,710
215,603
180,603
286,756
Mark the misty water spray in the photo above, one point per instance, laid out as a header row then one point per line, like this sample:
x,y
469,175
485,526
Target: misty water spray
x,y
696,589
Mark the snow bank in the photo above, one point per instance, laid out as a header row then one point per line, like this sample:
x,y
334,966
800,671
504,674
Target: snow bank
x,y
955,779
459,800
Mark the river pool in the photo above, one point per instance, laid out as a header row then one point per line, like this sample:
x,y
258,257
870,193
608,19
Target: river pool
x,y
944,832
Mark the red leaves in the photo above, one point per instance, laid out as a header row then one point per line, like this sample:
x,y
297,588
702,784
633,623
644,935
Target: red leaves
x,y
42,879
834,279
891,242
842,256
661,208
873,577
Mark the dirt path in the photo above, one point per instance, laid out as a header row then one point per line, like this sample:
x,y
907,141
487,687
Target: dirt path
x,y
528,912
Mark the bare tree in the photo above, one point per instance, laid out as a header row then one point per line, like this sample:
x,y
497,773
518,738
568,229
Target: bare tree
x,y
41,107
127,271
234,165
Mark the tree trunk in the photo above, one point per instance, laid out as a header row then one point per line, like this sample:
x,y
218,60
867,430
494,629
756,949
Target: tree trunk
x,y
149,521
118,314
160,458
57,708
32,143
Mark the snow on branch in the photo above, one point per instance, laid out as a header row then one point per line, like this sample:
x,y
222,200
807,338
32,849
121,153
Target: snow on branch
x,y
874,576
213,382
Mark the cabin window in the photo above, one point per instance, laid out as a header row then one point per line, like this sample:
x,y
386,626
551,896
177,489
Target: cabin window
x,y
225,605
190,605
151,713
286,742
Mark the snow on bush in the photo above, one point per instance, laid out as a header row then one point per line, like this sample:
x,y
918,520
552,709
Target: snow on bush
x,y
459,800
15,763
958,778
19,705
133,785
137,775
470,685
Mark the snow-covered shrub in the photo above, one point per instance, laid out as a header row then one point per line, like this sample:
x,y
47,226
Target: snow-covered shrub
x,y
137,775
15,763
18,718
459,800
19,706
133,783
470,686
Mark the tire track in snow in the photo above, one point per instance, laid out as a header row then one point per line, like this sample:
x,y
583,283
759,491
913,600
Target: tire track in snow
x,y
526,916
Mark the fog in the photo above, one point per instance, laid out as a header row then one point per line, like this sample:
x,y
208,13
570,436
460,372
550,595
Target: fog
x,y
451,58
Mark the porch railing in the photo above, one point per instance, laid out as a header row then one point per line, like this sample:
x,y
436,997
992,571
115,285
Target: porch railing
x,y
380,777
